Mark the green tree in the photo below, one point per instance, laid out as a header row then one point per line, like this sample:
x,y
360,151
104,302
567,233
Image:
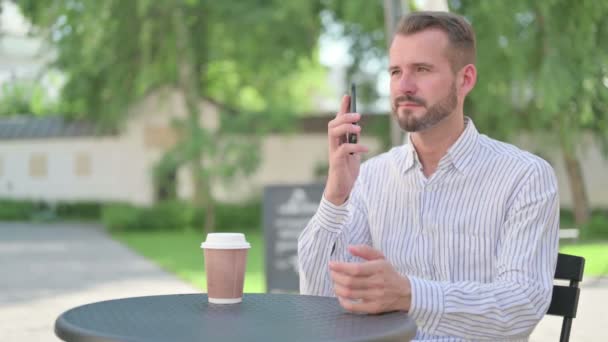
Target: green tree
x,y
243,55
543,67
22,97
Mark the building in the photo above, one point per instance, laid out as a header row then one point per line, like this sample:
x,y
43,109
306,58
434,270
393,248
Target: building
x,y
52,160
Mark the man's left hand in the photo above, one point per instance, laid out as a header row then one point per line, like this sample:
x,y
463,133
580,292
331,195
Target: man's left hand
x,y
373,286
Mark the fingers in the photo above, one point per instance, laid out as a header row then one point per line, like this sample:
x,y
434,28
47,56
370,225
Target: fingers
x,y
370,307
343,129
349,118
344,105
364,269
348,149
361,282
353,283
362,294
340,126
366,252
345,119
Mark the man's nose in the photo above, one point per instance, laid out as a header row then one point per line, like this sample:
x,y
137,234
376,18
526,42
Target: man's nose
x,y
407,85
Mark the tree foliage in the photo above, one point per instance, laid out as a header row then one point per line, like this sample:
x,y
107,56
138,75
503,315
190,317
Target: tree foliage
x,y
543,67
248,53
248,57
25,98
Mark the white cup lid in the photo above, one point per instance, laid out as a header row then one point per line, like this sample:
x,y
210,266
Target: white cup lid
x,y
225,241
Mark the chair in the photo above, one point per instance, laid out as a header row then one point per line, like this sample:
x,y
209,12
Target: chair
x,y
564,300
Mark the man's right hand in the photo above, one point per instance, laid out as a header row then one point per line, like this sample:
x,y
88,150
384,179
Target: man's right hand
x,y
343,166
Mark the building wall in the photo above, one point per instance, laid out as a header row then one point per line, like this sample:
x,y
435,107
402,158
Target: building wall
x,y
285,159
115,170
121,167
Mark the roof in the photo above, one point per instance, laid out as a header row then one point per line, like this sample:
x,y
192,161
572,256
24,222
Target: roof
x,y
31,127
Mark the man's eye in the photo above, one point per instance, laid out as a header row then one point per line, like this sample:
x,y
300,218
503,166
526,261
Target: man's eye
x,y
422,69
394,72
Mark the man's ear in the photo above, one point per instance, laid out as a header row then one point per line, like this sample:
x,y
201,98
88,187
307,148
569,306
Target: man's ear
x,y
467,77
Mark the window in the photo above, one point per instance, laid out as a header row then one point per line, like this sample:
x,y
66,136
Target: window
x,y
38,165
82,164
161,137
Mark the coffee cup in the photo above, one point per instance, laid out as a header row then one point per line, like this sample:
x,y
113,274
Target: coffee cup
x,y
225,263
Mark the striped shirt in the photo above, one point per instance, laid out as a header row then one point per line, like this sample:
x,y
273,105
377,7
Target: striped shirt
x,y
478,239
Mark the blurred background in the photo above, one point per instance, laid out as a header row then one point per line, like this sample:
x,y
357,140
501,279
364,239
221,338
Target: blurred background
x,y
131,129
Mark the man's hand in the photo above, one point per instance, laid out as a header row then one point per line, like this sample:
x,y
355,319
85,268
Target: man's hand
x,y
372,286
344,158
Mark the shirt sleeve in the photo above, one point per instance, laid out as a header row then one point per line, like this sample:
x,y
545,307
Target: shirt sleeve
x,y
326,238
519,296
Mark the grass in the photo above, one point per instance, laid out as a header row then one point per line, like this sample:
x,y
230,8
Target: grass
x,y
180,253
595,254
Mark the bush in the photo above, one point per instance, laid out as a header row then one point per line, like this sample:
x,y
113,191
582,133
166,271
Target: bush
x,y
596,228
79,210
16,210
245,216
121,217
23,210
168,215
566,218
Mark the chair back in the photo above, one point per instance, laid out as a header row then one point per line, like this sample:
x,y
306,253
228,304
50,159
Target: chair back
x,y
564,301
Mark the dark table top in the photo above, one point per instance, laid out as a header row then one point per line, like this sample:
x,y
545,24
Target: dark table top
x,y
260,317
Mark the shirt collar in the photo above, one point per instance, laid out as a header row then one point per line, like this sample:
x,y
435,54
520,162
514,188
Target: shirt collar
x,y
459,154
410,157
462,151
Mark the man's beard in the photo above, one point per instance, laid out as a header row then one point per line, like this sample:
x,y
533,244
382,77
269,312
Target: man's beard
x,y
434,114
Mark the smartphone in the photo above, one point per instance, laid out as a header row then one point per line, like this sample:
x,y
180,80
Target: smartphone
x,y
352,137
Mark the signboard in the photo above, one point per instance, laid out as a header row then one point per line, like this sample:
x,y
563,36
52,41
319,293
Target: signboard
x,y
287,210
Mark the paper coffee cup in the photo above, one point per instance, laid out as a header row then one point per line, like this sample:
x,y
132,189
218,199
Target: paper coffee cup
x,y
225,263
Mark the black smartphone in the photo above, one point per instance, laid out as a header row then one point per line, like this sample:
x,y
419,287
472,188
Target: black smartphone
x,y
352,137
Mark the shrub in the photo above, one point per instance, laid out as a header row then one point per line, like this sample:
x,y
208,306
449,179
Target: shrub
x,y
121,217
17,210
566,218
168,215
596,228
79,210
233,216
245,216
22,210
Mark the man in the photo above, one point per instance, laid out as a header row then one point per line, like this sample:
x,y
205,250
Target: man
x,y
456,228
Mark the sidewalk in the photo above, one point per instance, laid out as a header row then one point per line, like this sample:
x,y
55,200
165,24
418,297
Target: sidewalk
x,y
47,269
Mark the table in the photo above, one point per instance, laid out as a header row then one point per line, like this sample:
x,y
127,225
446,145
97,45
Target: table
x,y
260,317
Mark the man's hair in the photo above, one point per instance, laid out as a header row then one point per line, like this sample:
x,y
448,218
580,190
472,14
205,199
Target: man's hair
x,y
460,33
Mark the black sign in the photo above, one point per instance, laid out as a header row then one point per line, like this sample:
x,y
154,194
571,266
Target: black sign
x,y
287,210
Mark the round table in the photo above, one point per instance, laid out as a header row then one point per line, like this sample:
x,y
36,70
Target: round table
x,y
260,317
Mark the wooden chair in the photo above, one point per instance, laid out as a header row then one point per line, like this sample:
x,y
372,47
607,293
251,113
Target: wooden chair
x,y
564,300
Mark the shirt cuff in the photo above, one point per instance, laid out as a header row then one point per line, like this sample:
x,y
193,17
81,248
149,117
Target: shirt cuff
x,y
332,217
427,306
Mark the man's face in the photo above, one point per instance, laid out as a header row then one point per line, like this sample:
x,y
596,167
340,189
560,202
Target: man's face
x,y
423,84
